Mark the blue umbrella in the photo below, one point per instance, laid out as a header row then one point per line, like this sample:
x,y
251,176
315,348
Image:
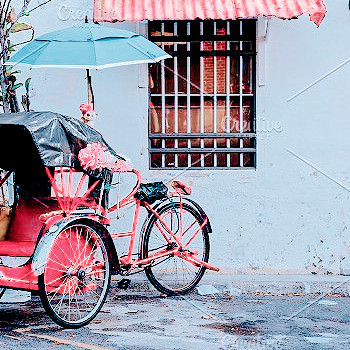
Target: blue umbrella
x,y
88,46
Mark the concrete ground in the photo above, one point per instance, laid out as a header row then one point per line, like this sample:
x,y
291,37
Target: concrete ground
x,y
246,312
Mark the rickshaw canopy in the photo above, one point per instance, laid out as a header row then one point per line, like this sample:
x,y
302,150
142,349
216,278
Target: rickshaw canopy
x,y
30,141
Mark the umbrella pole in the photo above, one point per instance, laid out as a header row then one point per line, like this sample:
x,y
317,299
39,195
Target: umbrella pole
x,y
91,98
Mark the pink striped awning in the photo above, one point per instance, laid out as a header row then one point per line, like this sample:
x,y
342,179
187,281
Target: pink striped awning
x,y
137,10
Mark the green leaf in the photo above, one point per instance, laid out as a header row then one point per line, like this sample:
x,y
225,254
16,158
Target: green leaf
x,y
26,13
8,68
27,83
10,46
16,86
18,27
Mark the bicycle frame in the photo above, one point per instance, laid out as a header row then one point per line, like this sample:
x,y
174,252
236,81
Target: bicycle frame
x,y
24,277
69,204
180,250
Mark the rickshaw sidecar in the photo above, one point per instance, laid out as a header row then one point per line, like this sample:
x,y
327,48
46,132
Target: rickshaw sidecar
x,y
51,211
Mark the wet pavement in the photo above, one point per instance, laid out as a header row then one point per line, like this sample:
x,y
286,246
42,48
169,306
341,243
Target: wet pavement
x,y
143,319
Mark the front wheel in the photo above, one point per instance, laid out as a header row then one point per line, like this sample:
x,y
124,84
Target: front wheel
x,y
76,277
173,275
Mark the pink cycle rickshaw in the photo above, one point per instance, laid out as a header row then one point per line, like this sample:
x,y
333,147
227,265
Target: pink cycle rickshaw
x,y
55,179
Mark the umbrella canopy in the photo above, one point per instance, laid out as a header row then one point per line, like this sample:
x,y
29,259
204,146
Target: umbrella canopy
x,y
88,46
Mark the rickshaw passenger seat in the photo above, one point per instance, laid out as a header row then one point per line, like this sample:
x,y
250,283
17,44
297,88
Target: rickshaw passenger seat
x,y
25,227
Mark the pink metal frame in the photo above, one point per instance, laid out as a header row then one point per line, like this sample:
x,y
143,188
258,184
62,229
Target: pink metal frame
x,y
69,202
23,277
181,250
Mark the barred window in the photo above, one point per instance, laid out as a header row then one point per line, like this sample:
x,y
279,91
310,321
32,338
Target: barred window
x,y
202,101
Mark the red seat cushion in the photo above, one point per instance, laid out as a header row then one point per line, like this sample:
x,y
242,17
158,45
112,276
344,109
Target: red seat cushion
x,y
15,248
25,226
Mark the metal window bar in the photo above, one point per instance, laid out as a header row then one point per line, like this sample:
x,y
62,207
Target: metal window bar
x,y
215,97
176,102
228,92
163,99
201,77
241,94
188,91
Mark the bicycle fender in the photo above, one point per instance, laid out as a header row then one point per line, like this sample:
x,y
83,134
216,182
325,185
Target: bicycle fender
x,y
201,211
43,247
195,204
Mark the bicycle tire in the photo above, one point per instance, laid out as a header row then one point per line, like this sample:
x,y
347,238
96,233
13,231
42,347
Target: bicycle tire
x,y
76,278
167,284
2,291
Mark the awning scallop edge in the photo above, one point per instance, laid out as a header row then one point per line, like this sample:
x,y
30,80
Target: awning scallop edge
x,y
137,10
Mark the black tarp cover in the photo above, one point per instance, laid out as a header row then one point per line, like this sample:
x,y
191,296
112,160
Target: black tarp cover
x,y
31,140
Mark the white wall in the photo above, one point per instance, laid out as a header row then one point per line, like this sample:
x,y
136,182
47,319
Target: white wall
x,y
285,216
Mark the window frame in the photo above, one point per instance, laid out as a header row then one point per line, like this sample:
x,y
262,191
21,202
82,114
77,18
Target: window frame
x,y
203,151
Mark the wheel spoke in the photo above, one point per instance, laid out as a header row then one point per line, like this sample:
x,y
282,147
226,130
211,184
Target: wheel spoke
x,y
90,289
87,257
62,298
94,281
57,289
53,281
59,262
55,269
86,243
85,299
69,306
64,253
77,303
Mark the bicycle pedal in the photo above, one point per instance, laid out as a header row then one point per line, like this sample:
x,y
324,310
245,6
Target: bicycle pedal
x,y
124,283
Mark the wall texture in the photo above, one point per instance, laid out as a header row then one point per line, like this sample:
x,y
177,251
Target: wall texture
x,y
283,217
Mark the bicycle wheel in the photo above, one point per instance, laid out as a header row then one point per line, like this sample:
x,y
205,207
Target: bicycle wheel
x,y
172,275
76,277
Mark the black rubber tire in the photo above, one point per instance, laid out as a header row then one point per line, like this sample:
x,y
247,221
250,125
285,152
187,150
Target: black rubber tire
x,y
150,270
81,250
2,291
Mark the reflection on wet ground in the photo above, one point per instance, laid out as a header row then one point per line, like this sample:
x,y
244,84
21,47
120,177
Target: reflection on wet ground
x,y
138,321
235,328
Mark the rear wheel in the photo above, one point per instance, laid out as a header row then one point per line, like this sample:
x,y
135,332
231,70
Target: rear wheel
x,y
76,278
173,275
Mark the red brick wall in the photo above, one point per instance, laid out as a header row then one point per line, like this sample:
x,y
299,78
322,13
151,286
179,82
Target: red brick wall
x,y
220,67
